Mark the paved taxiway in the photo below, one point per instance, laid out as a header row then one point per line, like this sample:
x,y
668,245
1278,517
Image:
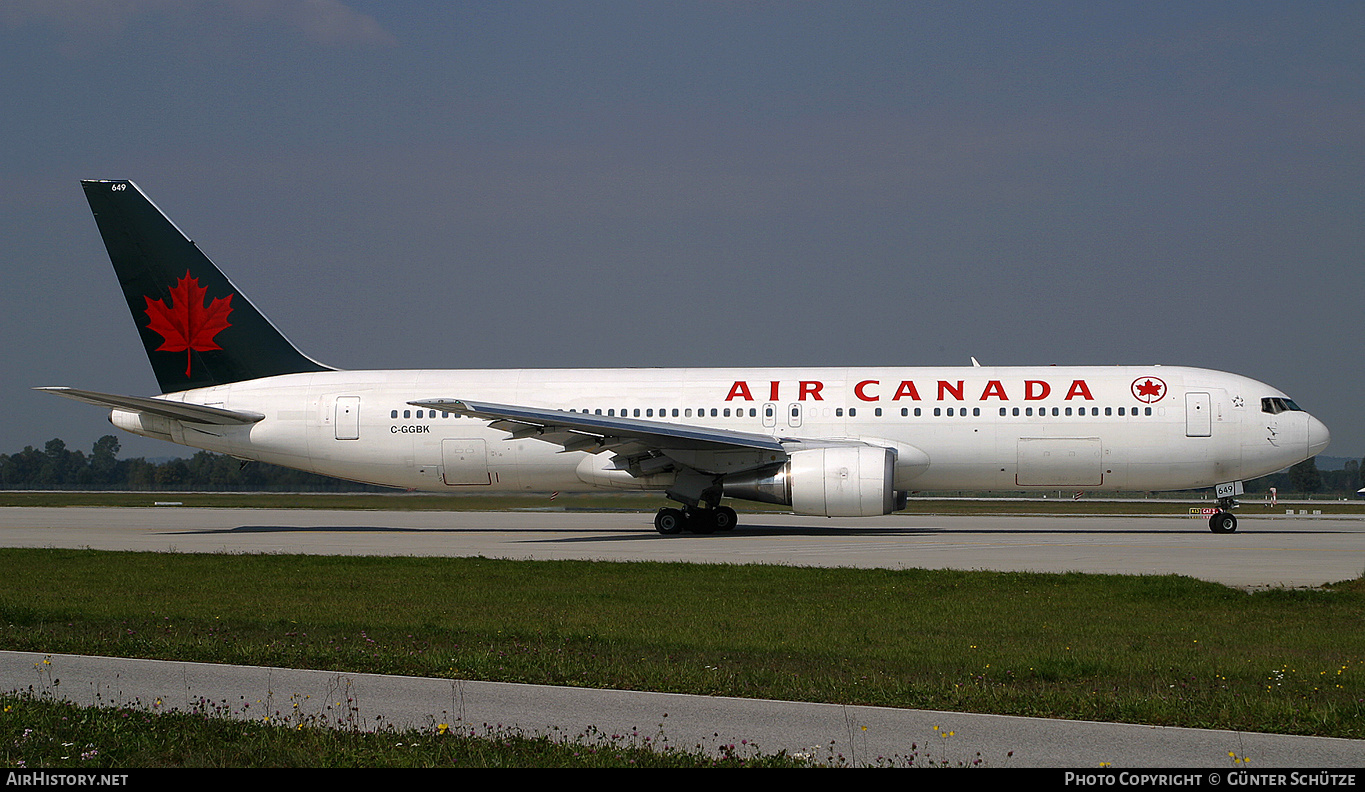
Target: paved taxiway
x,y
1267,551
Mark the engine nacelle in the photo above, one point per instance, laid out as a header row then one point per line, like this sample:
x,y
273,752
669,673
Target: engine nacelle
x,y
834,481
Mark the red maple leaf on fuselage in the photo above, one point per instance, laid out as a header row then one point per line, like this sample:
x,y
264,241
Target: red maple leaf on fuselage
x,y
187,323
1149,388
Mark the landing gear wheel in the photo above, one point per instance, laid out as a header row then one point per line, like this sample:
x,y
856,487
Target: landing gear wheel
x,y
701,521
1223,522
725,518
669,521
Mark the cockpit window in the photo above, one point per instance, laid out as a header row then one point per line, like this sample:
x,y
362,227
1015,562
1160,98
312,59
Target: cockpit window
x,y
1278,404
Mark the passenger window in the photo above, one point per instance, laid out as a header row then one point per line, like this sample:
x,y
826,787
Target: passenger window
x,y
393,414
407,413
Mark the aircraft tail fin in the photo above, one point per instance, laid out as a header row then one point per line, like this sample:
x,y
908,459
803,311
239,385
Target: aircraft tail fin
x,y
198,329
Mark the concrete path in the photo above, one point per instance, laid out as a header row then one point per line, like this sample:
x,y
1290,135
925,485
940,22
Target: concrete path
x,y
848,734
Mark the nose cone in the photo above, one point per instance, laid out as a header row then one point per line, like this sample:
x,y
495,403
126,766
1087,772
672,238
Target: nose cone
x,y
1318,436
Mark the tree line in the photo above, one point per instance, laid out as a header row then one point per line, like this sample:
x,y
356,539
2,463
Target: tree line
x,y
57,467
1305,479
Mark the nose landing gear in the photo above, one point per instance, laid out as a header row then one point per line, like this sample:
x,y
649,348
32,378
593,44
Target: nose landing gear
x,y
1223,520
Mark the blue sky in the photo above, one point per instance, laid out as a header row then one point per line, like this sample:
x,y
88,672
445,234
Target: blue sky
x,y
710,183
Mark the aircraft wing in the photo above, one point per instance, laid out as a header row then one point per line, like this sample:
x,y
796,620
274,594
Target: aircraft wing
x,y
179,411
576,431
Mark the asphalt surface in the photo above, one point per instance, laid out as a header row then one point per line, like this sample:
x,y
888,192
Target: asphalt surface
x,y
1267,551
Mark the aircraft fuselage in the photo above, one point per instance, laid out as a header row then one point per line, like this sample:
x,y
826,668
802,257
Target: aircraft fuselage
x,y
981,428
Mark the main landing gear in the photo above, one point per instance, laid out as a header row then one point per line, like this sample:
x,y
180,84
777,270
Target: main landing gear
x,y
670,521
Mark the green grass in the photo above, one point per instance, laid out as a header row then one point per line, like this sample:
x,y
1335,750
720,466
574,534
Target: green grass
x,y
1161,649
39,733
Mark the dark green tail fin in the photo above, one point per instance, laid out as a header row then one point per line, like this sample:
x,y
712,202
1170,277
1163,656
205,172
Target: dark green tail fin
x,y
199,330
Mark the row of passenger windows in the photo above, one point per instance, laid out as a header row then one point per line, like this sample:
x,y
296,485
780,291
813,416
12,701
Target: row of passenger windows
x,y
725,412
422,414
1016,411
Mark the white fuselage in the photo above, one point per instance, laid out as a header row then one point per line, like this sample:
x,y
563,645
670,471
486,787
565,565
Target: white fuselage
x,y
980,428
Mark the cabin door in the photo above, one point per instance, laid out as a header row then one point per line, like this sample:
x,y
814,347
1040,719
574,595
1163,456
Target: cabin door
x,y
347,420
1198,415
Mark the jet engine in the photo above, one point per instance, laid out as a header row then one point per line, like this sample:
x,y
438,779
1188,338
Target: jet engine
x,y
829,481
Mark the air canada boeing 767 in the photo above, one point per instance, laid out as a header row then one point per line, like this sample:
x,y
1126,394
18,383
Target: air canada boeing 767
x,y
839,442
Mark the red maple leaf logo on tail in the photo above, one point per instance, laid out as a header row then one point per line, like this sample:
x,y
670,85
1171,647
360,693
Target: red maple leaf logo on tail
x,y
188,323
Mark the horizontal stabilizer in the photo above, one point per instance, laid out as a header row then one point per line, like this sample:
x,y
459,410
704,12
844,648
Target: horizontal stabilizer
x,y
179,411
